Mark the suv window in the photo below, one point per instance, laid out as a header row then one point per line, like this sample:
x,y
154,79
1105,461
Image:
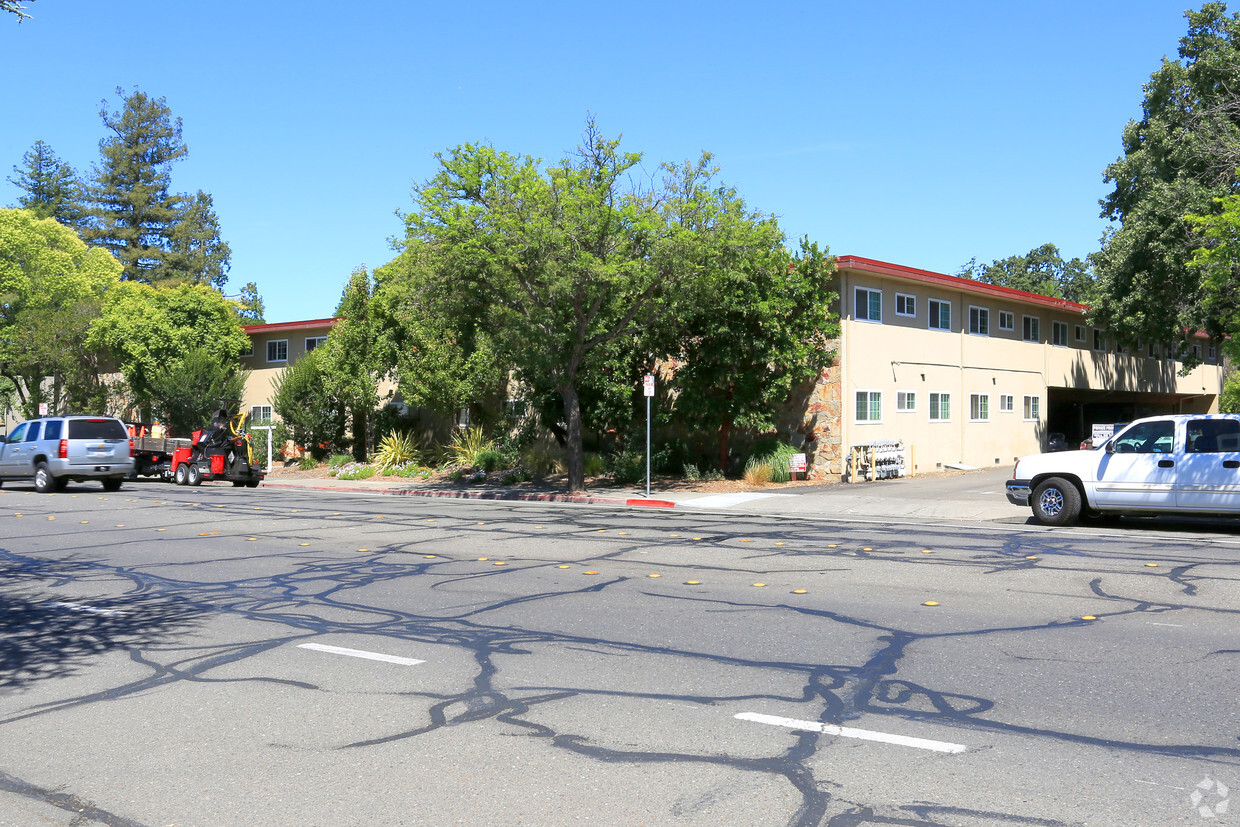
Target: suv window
x,y
32,433
96,429
52,428
1213,436
18,433
1147,438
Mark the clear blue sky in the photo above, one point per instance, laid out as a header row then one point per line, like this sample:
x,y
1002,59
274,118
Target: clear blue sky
x,y
918,133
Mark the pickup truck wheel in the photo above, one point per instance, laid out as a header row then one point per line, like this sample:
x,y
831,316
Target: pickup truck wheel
x,y
194,475
181,477
44,482
1056,502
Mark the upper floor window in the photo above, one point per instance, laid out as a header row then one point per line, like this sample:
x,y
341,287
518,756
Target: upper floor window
x,y
1033,408
1079,333
1033,329
940,315
906,305
1059,334
316,341
979,407
1007,320
906,401
1007,402
277,350
1151,350
869,406
868,305
979,321
1100,339
940,407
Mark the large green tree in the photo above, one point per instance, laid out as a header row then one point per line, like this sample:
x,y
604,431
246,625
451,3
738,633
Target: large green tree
x,y
302,398
1170,169
560,265
160,236
50,186
1042,270
51,289
353,359
150,331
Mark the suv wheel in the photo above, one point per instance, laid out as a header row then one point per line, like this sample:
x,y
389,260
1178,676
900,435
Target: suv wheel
x,y
1056,502
44,482
112,484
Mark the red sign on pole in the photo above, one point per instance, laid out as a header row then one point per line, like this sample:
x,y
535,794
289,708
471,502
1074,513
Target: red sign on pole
x,y
649,384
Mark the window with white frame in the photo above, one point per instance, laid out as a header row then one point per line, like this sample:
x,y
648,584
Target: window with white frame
x,y
1007,320
869,406
260,414
1059,334
1100,339
979,407
906,305
277,350
906,401
1033,408
1151,350
1213,353
315,341
940,314
1007,402
1033,329
940,407
868,304
979,321
1197,352
1079,333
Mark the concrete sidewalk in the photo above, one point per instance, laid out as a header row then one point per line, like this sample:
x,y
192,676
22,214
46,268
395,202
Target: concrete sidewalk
x,y
963,496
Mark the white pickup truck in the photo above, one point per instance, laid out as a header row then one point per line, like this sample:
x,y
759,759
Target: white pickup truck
x,y
1187,463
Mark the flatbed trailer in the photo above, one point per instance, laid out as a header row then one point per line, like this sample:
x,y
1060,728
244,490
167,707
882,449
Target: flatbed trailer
x,y
194,461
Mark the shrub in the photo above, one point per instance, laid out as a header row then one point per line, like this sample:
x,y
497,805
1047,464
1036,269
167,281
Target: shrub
x,y
758,471
691,472
337,461
776,457
594,465
513,476
467,444
412,471
490,460
398,449
628,466
307,463
541,460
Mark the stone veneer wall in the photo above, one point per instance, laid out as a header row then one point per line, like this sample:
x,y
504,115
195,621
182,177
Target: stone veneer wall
x,y
813,414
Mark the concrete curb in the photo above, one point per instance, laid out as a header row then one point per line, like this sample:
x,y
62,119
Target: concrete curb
x,y
480,495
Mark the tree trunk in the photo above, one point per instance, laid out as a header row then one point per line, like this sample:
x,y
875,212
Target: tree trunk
x,y
359,433
576,452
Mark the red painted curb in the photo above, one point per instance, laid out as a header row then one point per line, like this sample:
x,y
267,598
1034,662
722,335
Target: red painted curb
x,y
652,503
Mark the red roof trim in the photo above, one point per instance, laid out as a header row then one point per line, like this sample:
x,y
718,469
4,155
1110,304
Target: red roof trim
x,y
272,328
883,268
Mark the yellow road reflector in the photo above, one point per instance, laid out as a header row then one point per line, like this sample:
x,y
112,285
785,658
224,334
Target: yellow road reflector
x,y
378,516
697,538
692,582
363,549
601,530
429,556
624,533
207,533
746,540
564,566
51,518
1032,557
499,563
591,571
251,538
654,575
303,544
483,559
832,545
161,529
674,535
930,603
482,523
926,551
867,548
84,522
758,585
779,544
1088,617
799,591
537,526
120,525
1151,565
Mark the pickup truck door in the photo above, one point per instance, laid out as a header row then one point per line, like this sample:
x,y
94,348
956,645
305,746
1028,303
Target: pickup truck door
x,y
1208,475
1138,468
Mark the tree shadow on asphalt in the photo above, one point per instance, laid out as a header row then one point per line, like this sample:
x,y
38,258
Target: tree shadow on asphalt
x,y
48,635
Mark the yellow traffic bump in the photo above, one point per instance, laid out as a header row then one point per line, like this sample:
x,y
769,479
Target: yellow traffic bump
x,y
1032,557
294,510
499,563
335,513
207,533
926,551
591,571
251,539
624,534
654,575
18,514
563,567
483,559
799,591
363,549
758,585
429,556
697,538
867,548
832,545
430,521
161,529
378,516
1151,565
601,530
693,582
1088,617
84,522
51,518
303,544
746,540
537,526
673,535
120,525
930,603
779,544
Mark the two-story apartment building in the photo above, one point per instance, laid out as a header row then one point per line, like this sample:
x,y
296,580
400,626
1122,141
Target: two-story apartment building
x,y
966,373
273,347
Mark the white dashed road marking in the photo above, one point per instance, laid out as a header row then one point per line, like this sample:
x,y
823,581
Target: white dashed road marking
x,y
848,732
360,653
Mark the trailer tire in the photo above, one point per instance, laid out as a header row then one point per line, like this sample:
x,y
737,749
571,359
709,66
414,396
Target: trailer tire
x,y
181,477
194,475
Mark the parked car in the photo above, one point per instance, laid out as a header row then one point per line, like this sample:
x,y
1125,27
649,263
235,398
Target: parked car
x,y
1158,465
55,450
1057,442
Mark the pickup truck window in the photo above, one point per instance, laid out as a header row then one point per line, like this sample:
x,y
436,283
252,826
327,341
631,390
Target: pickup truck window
x,y
1156,437
1213,436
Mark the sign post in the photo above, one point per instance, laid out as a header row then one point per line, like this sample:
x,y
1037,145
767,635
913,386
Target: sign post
x,y
648,389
